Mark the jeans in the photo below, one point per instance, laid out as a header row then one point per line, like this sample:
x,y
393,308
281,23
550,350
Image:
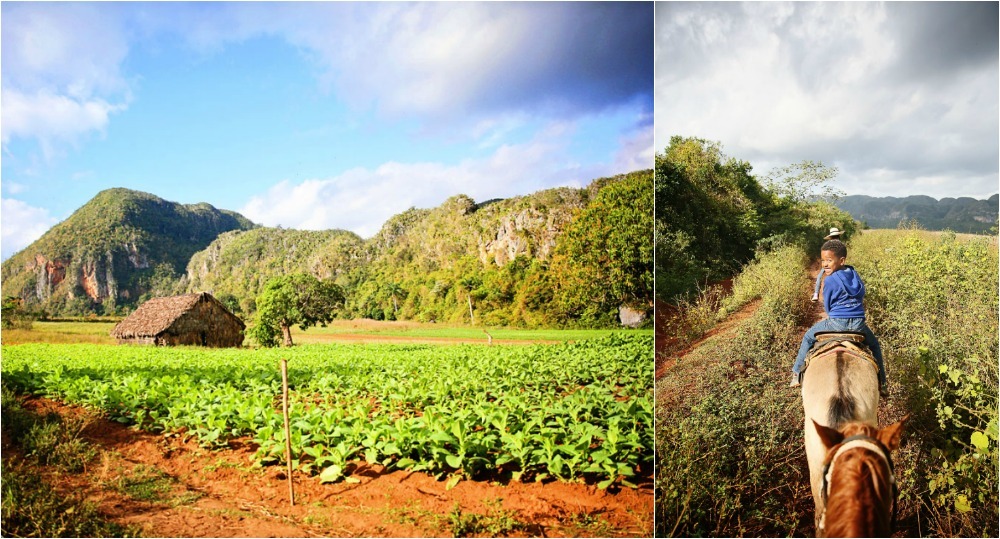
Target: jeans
x,y
841,324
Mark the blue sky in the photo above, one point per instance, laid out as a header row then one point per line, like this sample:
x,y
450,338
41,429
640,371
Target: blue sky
x,y
316,115
901,97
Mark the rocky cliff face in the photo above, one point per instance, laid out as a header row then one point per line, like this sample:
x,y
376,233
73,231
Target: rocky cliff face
x,y
528,232
526,226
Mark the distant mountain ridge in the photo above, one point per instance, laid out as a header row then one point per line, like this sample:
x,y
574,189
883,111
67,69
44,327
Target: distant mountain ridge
x,y
962,214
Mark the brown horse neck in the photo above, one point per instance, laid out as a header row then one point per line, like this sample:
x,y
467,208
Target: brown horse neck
x,y
861,496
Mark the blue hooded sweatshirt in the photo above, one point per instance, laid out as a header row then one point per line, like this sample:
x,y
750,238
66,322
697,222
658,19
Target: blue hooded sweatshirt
x,y
843,294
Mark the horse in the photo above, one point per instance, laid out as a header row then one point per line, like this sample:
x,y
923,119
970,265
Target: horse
x,y
839,387
859,482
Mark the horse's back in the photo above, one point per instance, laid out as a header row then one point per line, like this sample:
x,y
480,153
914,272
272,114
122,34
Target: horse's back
x,y
838,387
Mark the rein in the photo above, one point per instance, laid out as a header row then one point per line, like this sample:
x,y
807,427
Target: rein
x,y
859,441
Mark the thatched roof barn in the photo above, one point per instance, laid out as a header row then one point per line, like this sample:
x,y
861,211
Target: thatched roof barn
x,y
196,319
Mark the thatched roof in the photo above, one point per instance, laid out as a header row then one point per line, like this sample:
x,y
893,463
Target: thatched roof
x,y
157,314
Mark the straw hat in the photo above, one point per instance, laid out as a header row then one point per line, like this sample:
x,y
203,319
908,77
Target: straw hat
x,y
834,234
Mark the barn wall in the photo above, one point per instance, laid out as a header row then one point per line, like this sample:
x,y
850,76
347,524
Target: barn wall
x,y
205,324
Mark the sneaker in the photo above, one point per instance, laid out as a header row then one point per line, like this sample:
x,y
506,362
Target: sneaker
x,y
815,297
883,391
795,380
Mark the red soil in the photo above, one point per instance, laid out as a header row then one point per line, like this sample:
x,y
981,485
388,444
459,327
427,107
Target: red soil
x,y
669,348
236,499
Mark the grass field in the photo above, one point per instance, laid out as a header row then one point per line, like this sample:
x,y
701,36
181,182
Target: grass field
x,y
337,331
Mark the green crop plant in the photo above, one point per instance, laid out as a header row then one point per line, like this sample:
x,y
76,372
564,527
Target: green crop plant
x,y
458,411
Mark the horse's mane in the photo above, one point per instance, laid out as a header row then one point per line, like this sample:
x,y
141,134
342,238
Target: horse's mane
x,y
861,483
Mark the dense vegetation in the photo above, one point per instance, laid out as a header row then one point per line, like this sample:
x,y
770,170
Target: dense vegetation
x,y
559,257
568,411
933,302
119,249
553,258
713,214
962,214
730,459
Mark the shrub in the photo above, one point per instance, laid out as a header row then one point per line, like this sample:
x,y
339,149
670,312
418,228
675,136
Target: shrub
x,y
729,433
933,298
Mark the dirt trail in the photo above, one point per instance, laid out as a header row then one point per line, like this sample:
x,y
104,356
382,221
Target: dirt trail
x,y
221,494
722,328
668,353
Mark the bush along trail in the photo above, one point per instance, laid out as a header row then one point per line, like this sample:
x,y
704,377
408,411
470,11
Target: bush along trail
x,y
730,456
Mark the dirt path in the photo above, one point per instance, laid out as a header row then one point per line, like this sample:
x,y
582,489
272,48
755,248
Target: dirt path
x,y
725,327
204,493
350,338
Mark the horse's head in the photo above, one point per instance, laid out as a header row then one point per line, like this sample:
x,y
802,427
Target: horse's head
x,y
859,482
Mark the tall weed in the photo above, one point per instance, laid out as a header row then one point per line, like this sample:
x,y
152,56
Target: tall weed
x,y
932,298
730,460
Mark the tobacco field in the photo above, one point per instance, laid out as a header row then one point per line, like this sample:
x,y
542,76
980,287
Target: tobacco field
x,y
579,411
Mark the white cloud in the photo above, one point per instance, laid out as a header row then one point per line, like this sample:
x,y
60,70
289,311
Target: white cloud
x,y
636,150
453,63
51,118
14,188
61,72
76,49
362,199
21,224
445,58
849,84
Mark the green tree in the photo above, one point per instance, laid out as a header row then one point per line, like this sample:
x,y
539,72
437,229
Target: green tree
x,y
394,291
708,214
470,284
14,315
293,299
802,181
604,259
713,215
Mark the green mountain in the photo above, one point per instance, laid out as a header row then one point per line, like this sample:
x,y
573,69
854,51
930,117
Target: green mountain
x,y
502,259
236,266
555,257
118,249
962,214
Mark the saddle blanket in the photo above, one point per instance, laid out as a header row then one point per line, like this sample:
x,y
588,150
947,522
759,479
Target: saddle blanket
x,y
852,343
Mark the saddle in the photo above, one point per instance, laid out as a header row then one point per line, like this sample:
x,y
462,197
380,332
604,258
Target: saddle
x,y
850,342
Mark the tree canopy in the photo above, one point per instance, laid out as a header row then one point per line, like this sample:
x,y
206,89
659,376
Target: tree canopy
x,y
713,215
605,258
296,299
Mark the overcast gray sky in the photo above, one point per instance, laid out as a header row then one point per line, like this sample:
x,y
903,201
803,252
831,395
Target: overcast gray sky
x,y
901,97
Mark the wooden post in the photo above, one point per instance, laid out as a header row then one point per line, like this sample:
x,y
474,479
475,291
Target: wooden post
x,y
288,430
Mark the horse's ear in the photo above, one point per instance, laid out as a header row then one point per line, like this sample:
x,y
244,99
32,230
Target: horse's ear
x,y
830,437
889,436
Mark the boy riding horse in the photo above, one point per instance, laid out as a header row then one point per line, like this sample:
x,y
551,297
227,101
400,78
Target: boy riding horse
x,y
843,295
